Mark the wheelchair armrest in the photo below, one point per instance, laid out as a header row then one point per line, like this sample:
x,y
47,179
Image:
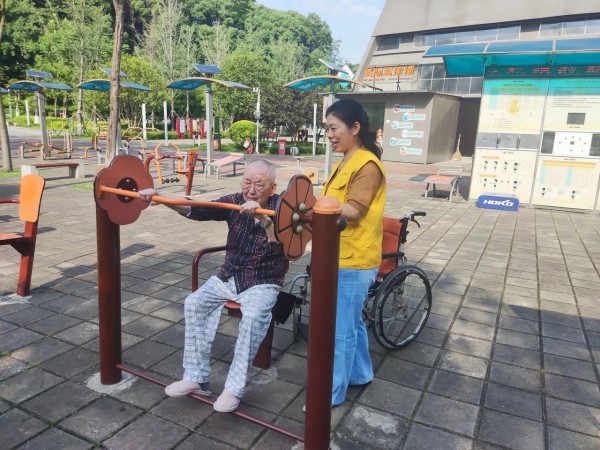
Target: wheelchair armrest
x,y
196,259
392,255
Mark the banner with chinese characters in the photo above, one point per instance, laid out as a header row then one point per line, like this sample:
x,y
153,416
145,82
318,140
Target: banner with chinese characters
x,y
388,73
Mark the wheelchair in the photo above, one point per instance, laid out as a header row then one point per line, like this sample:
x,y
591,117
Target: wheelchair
x,y
398,303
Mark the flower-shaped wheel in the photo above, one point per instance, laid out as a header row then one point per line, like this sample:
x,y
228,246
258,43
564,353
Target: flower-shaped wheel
x,y
292,226
125,172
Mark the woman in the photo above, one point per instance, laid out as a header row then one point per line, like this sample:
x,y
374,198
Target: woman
x,y
358,183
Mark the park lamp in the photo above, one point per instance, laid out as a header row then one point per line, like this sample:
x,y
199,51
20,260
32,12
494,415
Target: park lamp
x,y
256,90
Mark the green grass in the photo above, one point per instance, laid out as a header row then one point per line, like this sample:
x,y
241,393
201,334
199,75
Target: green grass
x,y
84,186
5,174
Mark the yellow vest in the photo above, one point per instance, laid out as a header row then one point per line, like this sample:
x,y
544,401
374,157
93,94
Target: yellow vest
x,y
360,242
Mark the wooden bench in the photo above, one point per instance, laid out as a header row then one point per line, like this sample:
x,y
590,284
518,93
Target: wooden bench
x,y
449,176
76,170
234,160
29,201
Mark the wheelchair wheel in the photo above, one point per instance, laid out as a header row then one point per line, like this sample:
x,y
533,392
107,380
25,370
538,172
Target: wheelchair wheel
x,y
401,307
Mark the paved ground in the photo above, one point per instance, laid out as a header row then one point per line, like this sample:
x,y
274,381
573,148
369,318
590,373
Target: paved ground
x,y
509,357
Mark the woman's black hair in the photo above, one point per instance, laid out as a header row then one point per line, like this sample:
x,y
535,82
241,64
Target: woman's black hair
x,y
350,112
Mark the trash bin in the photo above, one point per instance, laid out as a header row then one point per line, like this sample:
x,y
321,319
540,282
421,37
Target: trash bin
x,y
282,143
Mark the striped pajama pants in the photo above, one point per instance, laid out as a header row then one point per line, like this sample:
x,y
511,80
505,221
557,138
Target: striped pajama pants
x,y
202,315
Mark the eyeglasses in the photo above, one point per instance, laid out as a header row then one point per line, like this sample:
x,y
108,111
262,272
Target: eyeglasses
x,y
258,187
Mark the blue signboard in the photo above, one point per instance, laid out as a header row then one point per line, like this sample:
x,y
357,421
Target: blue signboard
x,y
503,202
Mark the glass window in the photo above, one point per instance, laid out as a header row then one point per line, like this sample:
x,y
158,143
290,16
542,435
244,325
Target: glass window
x,y
445,38
465,37
426,71
417,41
486,35
462,85
428,40
592,26
439,71
450,85
574,27
476,85
437,85
425,85
509,32
550,29
390,43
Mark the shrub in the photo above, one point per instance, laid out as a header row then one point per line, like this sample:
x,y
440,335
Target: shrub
x,y
241,130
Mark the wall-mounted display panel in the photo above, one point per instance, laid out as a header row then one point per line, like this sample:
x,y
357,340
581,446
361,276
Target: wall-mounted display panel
x,y
573,104
503,172
566,182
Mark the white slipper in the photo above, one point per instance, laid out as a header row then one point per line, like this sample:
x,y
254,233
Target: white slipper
x,y
186,387
227,402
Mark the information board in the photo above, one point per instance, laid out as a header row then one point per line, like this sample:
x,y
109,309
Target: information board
x,y
573,104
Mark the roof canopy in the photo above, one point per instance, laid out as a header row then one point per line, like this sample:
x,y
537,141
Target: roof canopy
x,y
104,85
308,83
189,84
470,60
25,85
4,91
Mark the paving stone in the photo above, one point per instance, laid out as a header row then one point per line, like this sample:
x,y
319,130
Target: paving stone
x,y
54,439
146,288
518,339
174,335
386,396
424,438
60,401
473,329
517,377
145,305
79,334
146,326
562,332
418,353
272,440
569,367
100,419
511,431
41,350
196,441
270,396
520,312
27,384
17,338
432,336
458,387
229,429
593,337
468,345
559,318
574,417
171,312
10,366
570,389
71,363
404,372
521,357
513,401
184,411
483,304
374,428
522,325
561,439
17,427
28,316
448,414
13,308
463,364
476,315
565,348
54,324
5,326
147,432
147,353
439,322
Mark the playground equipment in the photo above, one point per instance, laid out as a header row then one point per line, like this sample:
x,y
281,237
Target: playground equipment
x,y
298,218
103,85
170,167
45,147
188,84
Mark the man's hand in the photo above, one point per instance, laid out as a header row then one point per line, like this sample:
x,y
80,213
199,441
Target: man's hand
x,y
249,208
146,194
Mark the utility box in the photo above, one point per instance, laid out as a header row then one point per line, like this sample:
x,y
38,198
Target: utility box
x,y
282,143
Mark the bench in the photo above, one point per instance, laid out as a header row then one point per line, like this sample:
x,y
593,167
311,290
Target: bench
x,y
29,201
449,176
76,169
233,160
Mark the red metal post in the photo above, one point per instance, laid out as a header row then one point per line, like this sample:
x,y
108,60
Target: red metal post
x,y
321,339
109,297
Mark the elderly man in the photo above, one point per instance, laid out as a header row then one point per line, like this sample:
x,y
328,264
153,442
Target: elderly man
x,y
252,275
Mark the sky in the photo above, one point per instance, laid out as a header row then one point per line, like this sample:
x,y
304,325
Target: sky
x,y
351,21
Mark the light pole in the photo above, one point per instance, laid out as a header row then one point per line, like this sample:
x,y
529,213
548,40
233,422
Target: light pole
x,y
257,113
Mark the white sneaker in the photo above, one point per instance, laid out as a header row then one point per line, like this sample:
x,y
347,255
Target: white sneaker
x,y
227,402
186,387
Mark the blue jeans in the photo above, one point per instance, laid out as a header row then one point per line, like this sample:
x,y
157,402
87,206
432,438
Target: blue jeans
x,y
351,362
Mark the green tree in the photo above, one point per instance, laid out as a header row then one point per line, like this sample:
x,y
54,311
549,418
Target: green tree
x,y
4,141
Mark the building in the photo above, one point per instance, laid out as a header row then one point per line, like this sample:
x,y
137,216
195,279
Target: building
x,y
421,110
